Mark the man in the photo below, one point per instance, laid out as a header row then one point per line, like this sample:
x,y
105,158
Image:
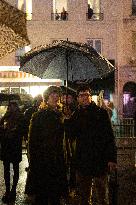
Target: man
x,y
95,147
45,142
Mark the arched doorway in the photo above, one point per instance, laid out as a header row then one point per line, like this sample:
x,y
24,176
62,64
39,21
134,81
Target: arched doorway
x,y
129,99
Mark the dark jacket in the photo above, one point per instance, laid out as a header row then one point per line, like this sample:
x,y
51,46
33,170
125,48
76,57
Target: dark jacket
x,y
46,151
27,116
95,140
12,131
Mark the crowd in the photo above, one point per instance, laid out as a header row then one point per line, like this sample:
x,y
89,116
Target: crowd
x,y
70,144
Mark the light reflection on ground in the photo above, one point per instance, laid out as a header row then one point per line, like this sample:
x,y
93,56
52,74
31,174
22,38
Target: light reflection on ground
x,y
126,189
21,184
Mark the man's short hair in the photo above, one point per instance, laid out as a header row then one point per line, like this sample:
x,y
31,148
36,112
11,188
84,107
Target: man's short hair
x,y
51,89
83,88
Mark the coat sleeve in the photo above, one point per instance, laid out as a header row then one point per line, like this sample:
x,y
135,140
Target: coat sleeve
x,y
109,139
34,130
72,126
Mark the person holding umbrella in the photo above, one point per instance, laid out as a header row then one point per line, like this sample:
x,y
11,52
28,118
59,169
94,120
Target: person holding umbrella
x,y
96,153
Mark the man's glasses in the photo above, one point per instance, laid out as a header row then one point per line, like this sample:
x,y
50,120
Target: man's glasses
x,y
84,95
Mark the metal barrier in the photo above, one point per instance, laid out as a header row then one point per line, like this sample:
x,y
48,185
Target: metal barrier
x,y
124,128
126,149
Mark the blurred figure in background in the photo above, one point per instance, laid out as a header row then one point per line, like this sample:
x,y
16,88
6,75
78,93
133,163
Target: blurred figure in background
x,y
29,112
12,124
63,14
57,16
90,12
69,105
27,116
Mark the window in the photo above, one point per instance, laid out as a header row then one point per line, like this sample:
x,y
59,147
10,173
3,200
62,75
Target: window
x,y
26,6
60,10
20,52
96,44
133,7
94,9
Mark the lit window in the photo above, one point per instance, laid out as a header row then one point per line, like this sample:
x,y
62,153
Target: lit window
x,y
20,5
26,6
96,44
60,10
95,6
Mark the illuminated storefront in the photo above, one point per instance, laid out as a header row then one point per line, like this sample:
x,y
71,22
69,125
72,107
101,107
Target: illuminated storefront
x,y
24,83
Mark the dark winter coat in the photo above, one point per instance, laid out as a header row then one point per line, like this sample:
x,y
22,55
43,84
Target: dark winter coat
x,y
46,151
12,130
95,140
27,116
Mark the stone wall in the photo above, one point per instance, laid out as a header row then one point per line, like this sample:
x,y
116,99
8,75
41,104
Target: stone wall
x,y
126,149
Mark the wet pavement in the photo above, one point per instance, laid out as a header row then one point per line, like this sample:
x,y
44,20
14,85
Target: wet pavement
x,y
126,189
21,197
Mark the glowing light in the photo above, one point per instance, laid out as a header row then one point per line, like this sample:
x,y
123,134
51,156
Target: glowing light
x,y
21,5
94,98
27,48
29,9
36,90
126,98
9,68
59,4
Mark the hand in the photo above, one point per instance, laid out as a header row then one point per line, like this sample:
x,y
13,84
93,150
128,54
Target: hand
x,y
112,166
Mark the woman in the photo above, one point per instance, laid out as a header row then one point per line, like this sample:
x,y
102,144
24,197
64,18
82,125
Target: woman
x,y
46,150
11,147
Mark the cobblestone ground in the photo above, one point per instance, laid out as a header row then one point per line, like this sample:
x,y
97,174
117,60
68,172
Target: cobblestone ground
x,y
21,198
126,189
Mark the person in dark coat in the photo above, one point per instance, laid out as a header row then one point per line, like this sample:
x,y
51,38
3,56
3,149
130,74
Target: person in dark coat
x,y
46,153
69,105
11,147
95,147
27,116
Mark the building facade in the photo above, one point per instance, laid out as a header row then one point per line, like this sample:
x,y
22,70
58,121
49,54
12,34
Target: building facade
x,y
110,28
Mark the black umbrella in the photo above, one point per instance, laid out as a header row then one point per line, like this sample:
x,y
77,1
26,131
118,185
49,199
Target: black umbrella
x,y
66,60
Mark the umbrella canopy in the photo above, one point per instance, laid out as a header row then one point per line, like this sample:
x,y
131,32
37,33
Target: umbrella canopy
x,y
66,60
13,32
